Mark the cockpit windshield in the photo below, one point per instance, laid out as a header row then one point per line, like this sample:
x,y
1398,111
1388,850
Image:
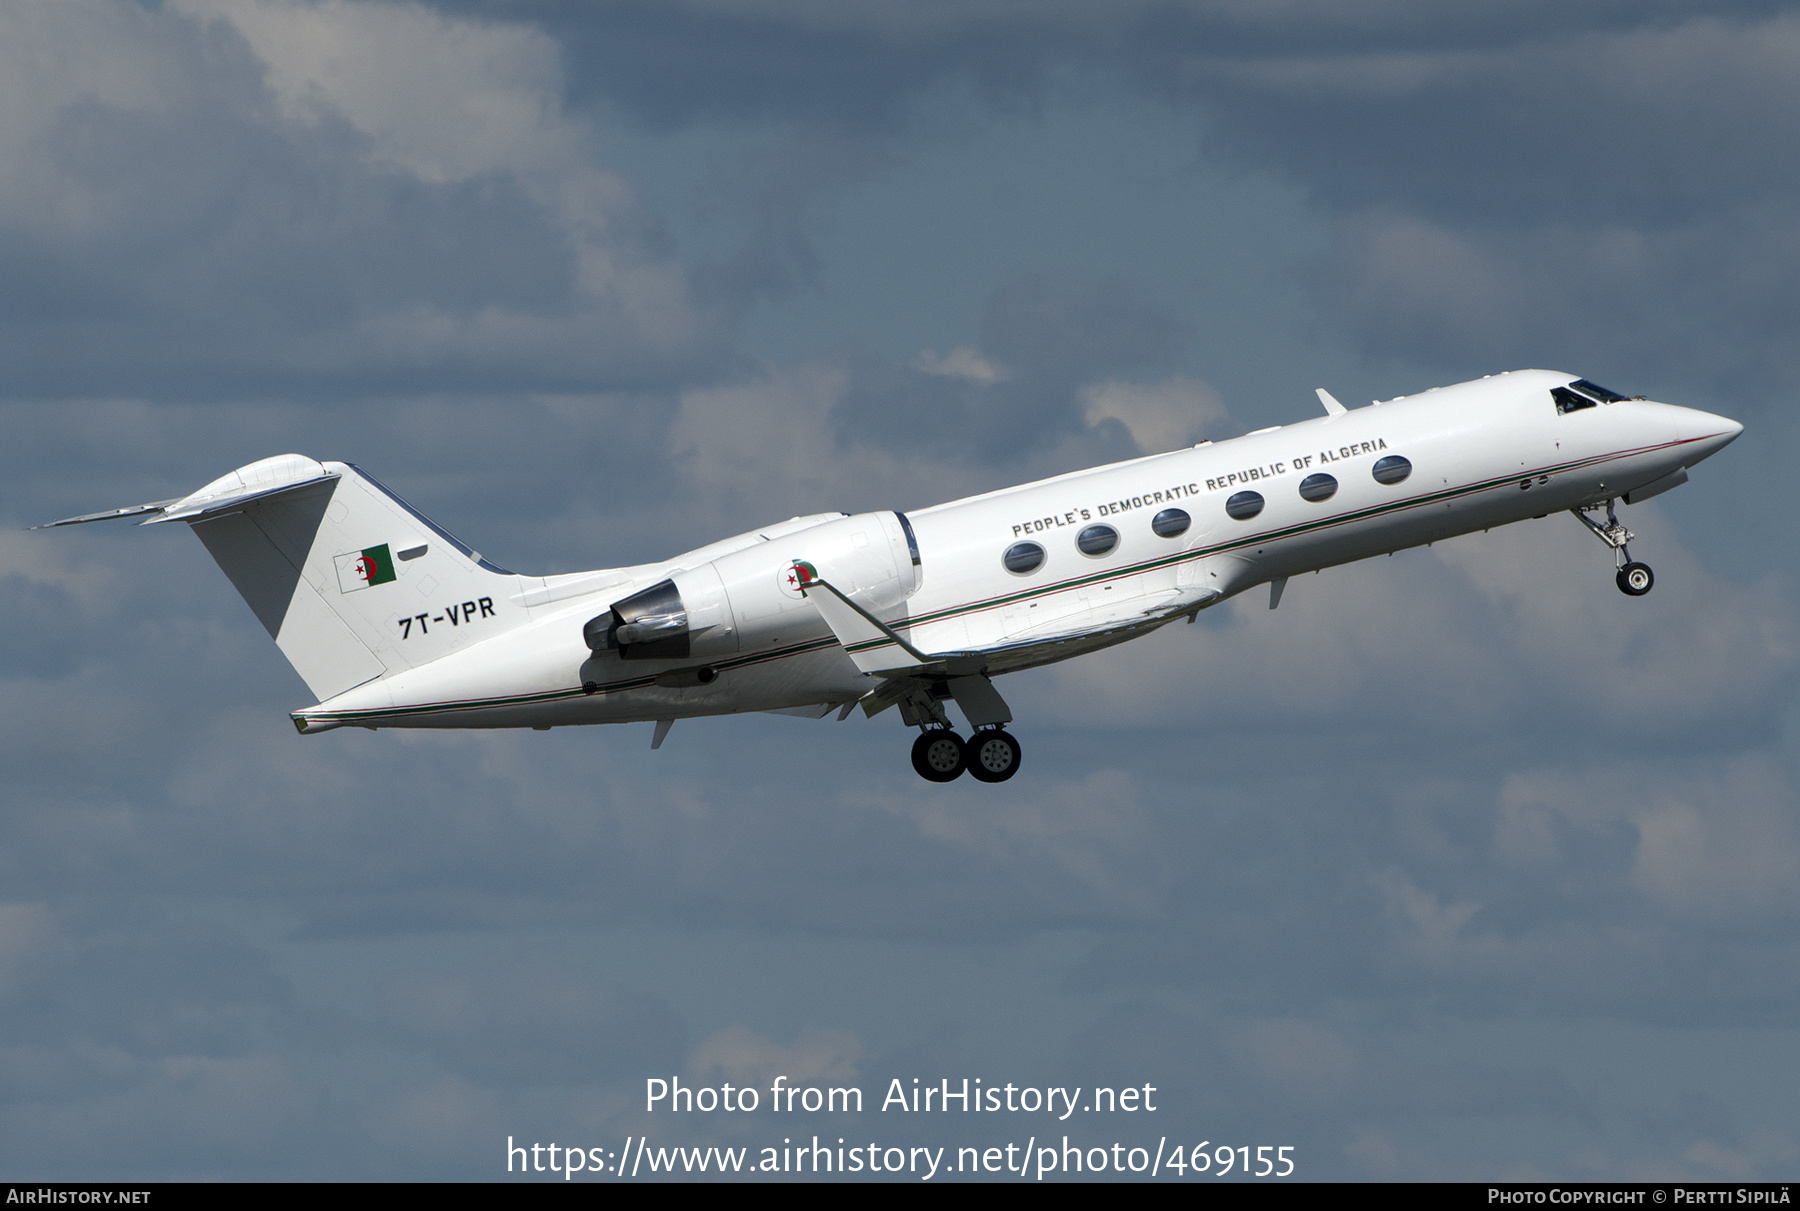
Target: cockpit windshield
x,y
1568,401
1583,394
1598,392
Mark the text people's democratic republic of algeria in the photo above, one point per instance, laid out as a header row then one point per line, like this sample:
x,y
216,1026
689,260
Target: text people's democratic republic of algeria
x,y
1159,497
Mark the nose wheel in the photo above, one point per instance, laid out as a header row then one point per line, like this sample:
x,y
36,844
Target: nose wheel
x,y
1635,579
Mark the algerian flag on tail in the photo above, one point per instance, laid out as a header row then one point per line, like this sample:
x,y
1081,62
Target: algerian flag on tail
x,y
360,569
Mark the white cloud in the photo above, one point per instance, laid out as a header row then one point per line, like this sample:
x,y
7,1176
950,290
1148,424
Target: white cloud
x,y
449,100
320,188
440,98
743,1056
1161,416
1713,846
766,448
964,362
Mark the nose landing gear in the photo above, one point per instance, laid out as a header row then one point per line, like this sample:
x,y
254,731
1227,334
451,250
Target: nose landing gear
x,y
1635,579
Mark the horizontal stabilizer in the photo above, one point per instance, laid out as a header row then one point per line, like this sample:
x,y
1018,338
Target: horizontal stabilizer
x,y
270,477
110,514
200,510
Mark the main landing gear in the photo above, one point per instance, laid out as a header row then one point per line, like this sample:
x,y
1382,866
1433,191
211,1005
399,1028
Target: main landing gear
x,y
939,754
990,755
1635,579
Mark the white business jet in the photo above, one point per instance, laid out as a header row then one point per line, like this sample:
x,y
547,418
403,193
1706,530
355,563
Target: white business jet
x,y
392,622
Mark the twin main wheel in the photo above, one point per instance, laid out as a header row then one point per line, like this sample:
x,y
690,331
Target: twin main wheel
x,y
1635,579
941,756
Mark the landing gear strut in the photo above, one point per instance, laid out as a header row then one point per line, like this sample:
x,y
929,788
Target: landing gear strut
x,y
1635,579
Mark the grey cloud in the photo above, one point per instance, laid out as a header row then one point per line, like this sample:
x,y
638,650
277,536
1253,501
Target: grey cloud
x,y
1648,123
501,1027
1511,184
1048,336
220,205
857,63
1698,306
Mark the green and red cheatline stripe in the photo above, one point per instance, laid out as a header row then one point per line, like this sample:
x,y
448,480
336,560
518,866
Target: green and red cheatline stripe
x,y
975,607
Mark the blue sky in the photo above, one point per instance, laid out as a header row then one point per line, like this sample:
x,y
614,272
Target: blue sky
x,y
1460,865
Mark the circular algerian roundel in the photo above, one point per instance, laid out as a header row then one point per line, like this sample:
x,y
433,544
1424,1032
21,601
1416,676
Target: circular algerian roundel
x,y
794,578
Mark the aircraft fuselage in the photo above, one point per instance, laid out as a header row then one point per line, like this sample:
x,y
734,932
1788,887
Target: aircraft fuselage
x,y
1258,508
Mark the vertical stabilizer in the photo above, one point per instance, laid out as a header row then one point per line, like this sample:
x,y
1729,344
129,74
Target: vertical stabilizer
x,y
353,583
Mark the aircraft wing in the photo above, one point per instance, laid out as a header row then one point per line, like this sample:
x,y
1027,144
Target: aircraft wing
x,y
881,651
875,646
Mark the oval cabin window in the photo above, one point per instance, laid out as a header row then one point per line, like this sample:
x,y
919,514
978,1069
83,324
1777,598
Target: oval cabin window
x,y
1244,505
1390,470
1318,487
1023,557
1096,540
1170,523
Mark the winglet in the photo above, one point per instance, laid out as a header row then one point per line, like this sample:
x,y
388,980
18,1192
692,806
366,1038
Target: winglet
x,y
1330,401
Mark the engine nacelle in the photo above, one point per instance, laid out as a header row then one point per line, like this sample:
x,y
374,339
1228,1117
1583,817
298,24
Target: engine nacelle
x,y
872,557
686,615
700,612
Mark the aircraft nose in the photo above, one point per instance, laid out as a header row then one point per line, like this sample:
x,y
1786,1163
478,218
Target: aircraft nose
x,y
1704,432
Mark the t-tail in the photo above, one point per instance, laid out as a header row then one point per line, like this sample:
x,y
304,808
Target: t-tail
x,y
352,582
